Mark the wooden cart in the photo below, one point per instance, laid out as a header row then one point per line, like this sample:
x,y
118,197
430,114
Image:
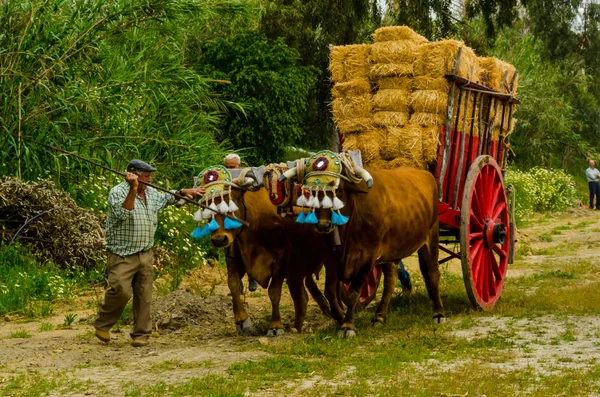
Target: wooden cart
x,y
476,209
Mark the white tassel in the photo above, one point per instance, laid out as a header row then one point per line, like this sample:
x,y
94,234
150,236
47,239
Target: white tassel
x,y
326,202
337,204
315,202
223,207
198,216
232,206
301,202
206,214
213,207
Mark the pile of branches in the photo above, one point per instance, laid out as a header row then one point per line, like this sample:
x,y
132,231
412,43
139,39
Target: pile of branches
x,y
61,231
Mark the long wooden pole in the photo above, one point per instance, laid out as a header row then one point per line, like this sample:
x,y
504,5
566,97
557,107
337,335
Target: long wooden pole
x,y
177,196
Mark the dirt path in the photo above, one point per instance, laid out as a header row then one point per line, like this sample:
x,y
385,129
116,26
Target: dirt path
x,y
196,334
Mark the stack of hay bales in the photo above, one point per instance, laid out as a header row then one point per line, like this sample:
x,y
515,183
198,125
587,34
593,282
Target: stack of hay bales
x,y
403,78
351,105
492,71
429,98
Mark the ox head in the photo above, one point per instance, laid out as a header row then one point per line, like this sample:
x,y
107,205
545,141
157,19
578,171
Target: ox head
x,y
224,189
323,175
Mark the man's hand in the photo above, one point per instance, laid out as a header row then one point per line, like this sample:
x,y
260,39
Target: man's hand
x,y
194,192
132,180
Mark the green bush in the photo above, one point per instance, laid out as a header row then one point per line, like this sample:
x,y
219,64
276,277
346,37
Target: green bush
x,y
541,190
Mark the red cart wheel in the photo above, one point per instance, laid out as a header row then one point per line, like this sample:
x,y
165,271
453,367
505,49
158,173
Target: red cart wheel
x,y
484,233
368,291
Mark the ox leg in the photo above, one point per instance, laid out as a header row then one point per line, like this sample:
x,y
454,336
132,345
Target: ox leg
x,y
317,295
389,274
347,330
234,274
276,326
300,298
331,289
428,263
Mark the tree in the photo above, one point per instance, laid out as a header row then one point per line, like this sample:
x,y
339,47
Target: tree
x,y
264,75
310,26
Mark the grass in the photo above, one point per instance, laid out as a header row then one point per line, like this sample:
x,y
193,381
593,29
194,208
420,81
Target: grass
x,y
20,334
45,327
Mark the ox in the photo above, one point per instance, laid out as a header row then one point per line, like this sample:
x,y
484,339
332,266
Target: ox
x,y
270,249
387,216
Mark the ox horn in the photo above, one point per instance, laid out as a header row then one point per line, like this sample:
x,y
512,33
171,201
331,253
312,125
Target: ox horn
x,y
247,182
288,174
364,174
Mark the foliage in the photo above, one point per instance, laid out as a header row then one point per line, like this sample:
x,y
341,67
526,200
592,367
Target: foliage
x,y
541,190
431,18
26,287
107,79
265,77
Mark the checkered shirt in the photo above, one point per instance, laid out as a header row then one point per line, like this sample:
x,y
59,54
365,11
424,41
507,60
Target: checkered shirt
x,y
129,232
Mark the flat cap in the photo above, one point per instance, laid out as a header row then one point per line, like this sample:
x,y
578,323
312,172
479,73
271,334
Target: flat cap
x,y
139,165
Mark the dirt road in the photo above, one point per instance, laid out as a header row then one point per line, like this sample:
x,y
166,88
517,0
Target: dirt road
x,y
196,334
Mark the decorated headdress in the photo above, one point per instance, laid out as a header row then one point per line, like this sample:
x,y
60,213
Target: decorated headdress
x,y
217,180
323,173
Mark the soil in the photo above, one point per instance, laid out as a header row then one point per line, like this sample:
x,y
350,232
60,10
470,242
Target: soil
x,y
195,325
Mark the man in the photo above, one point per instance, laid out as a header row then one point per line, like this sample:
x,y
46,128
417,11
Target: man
x,y
593,175
233,162
130,226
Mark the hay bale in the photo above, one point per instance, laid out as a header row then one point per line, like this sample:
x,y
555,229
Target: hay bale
x,y
391,33
351,107
401,51
377,164
354,125
368,142
437,59
431,140
429,101
391,100
356,87
395,83
431,83
380,70
470,123
493,69
349,62
424,119
402,142
406,162
390,119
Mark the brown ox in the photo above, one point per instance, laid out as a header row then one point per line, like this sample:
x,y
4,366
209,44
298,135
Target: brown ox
x,y
388,222
270,250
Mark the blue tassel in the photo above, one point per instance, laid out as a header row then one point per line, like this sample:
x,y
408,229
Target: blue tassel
x,y
311,218
197,232
229,224
200,232
213,225
339,219
301,218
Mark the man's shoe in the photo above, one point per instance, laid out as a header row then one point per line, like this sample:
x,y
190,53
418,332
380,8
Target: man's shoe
x,y
139,343
104,336
252,284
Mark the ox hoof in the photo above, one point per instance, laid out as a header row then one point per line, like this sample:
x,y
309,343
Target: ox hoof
x,y
275,332
244,326
378,321
439,319
346,333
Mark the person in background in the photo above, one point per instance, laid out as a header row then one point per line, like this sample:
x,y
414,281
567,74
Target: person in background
x,y
593,175
131,224
404,277
233,162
